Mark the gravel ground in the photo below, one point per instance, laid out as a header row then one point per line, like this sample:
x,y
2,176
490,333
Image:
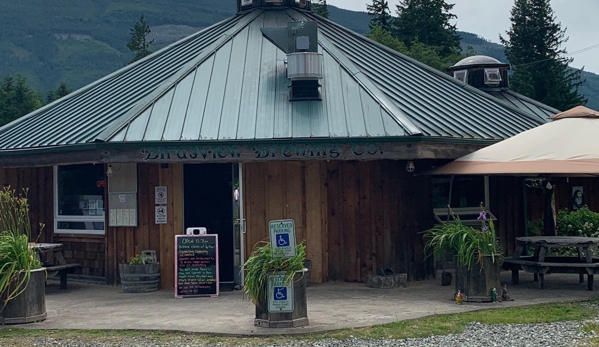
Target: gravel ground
x,y
526,335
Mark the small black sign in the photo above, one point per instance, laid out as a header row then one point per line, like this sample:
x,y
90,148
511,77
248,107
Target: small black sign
x,y
196,265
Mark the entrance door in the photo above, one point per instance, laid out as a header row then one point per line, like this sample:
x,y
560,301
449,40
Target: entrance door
x,y
238,224
207,201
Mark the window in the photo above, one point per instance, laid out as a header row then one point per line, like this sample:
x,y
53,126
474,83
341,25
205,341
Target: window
x,y
79,199
467,193
461,75
492,76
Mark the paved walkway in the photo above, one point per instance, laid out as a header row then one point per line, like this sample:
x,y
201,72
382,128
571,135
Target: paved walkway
x,y
330,306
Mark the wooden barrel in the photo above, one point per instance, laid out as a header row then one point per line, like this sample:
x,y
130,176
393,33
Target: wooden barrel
x,y
30,305
141,278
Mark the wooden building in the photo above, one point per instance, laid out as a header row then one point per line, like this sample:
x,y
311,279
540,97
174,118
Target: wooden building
x,y
274,113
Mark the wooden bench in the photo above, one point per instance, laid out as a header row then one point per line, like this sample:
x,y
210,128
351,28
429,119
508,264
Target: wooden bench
x,y
552,265
61,270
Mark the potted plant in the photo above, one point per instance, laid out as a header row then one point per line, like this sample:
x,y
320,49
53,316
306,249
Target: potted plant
x,y
478,255
22,279
141,274
264,262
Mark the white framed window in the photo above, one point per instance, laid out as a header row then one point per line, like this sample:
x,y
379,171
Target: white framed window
x,y
79,202
461,75
492,76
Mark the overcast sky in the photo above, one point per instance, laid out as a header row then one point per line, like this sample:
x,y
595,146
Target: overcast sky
x,y
489,18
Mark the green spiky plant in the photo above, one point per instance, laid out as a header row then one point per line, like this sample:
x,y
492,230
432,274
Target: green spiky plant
x,y
17,258
265,261
469,244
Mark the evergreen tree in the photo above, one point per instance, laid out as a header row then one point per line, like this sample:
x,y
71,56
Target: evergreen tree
x,y
533,48
61,91
380,15
320,8
427,22
139,40
419,51
16,99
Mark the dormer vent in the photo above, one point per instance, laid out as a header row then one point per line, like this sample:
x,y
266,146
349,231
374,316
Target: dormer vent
x,y
304,64
243,5
461,75
492,76
482,72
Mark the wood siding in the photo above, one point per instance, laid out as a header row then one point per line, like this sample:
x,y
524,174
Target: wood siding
x,y
125,242
40,185
354,216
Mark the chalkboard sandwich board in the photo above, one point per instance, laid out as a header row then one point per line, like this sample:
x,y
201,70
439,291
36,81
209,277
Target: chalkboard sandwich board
x,y
196,265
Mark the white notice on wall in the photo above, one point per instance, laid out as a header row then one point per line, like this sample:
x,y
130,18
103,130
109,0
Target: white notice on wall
x,y
112,217
126,217
122,198
119,216
161,215
132,217
160,195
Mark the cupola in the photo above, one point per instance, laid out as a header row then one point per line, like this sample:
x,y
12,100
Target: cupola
x,y
481,72
243,5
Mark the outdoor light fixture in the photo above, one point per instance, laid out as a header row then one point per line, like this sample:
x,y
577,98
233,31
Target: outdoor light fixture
x,y
410,166
109,171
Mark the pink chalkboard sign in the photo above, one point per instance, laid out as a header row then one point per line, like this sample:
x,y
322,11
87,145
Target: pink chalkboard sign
x,y
196,265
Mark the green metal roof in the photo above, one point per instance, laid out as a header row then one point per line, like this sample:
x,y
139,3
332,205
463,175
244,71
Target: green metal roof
x,y
524,103
228,83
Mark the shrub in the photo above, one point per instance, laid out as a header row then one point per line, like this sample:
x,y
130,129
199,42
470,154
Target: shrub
x,y
582,222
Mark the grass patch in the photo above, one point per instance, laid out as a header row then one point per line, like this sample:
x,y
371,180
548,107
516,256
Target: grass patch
x,y
436,325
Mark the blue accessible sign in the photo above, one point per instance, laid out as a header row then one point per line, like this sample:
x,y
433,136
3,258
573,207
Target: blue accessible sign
x,y
280,295
282,236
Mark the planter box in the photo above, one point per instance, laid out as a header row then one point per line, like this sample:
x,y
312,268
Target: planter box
x,y
477,283
30,305
141,278
297,318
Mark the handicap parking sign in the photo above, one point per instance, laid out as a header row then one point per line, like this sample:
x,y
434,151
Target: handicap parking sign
x,y
280,294
282,236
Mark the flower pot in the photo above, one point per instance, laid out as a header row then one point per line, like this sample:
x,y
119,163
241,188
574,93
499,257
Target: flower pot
x,y
308,266
30,305
477,283
297,318
140,278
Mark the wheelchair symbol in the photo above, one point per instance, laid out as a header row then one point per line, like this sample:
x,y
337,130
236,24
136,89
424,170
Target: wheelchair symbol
x,y
280,293
283,240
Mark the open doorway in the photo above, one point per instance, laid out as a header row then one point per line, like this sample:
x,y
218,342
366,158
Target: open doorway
x,y
208,203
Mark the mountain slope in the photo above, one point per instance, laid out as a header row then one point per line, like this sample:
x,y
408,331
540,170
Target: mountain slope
x,y
49,41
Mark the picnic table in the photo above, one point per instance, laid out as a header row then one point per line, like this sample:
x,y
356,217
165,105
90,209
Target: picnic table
x,y
540,263
53,261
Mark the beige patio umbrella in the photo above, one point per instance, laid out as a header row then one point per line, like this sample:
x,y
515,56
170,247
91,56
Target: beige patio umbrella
x,y
569,144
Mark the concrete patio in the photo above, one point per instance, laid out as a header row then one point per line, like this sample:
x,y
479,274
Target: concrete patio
x,y
330,306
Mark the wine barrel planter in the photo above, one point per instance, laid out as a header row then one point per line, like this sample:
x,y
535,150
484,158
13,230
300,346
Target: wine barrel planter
x,y
30,305
478,283
141,278
297,318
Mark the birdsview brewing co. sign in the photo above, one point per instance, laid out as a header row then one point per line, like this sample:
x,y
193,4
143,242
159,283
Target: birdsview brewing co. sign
x,y
264,152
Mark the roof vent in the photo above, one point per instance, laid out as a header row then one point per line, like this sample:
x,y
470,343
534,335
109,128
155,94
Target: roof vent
x,y
492,76
243,5
304,64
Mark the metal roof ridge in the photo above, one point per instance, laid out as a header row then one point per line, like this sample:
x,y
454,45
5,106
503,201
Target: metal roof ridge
x,y
172,81
109,76
532,101
363,80
433,70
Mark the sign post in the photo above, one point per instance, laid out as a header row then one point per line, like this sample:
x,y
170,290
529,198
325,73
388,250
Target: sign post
x,y
282,236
